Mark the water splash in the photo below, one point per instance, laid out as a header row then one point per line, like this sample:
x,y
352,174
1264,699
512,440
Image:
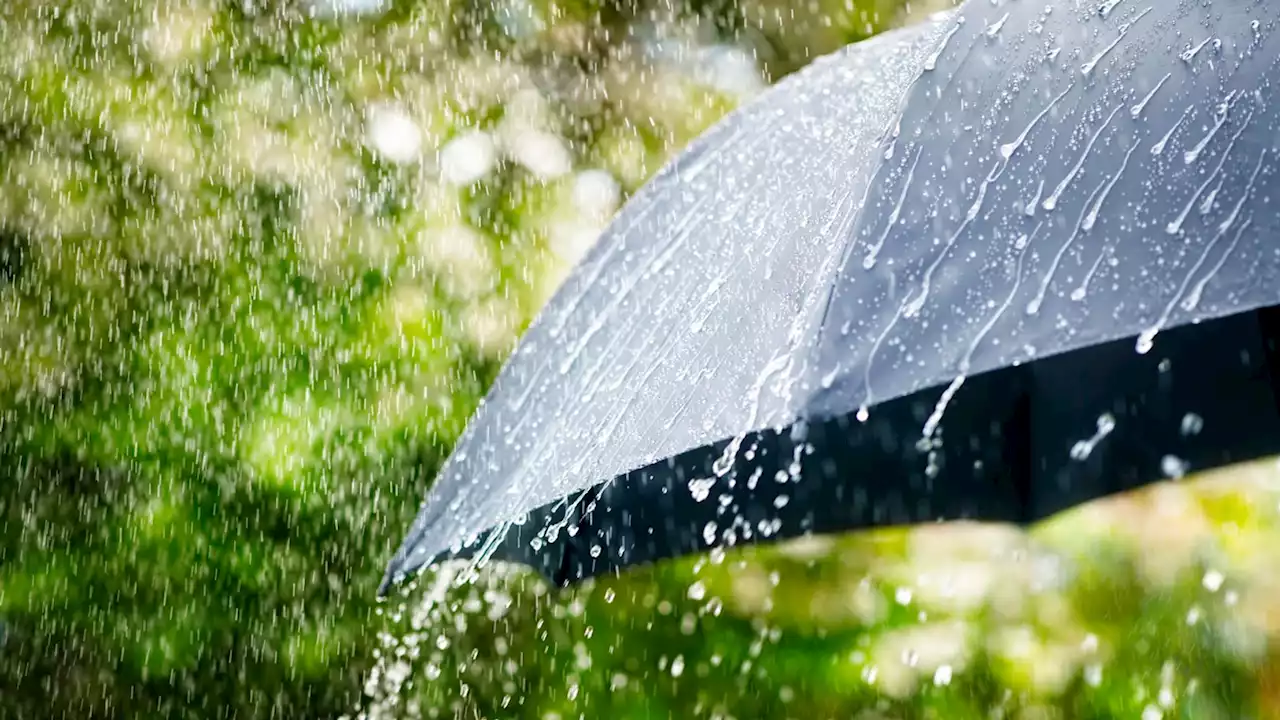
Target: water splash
x,y
940,409
724,463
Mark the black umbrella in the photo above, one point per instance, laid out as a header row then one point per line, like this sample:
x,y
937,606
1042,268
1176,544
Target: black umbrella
x,y
989,267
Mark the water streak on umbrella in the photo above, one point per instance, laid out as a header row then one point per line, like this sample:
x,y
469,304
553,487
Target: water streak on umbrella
x,y
1051,202
1175,226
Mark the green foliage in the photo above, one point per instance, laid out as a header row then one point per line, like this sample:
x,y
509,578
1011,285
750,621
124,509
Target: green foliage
x,y
238,335
239,332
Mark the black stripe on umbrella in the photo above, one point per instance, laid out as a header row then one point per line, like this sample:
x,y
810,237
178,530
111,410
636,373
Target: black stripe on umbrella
x,y
922,270
1014,445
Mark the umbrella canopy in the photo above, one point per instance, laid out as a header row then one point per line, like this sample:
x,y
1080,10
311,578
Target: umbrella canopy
x,y
987,267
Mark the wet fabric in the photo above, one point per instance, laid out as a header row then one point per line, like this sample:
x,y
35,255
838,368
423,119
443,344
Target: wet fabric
x,y
999,186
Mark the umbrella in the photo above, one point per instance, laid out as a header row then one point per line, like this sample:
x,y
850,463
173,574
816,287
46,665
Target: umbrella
x,y
988,267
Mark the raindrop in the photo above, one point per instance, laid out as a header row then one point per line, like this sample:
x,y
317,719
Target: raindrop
x,y
1084,448
1173,466
700,488
697,591
1192,424
1213,580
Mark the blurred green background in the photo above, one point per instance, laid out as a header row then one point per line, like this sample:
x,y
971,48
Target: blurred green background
x,y
259,261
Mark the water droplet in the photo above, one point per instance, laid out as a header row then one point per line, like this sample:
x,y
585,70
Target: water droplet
x,y
677,666
697,591
1173,466
1084,448
1213,580
1192,424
